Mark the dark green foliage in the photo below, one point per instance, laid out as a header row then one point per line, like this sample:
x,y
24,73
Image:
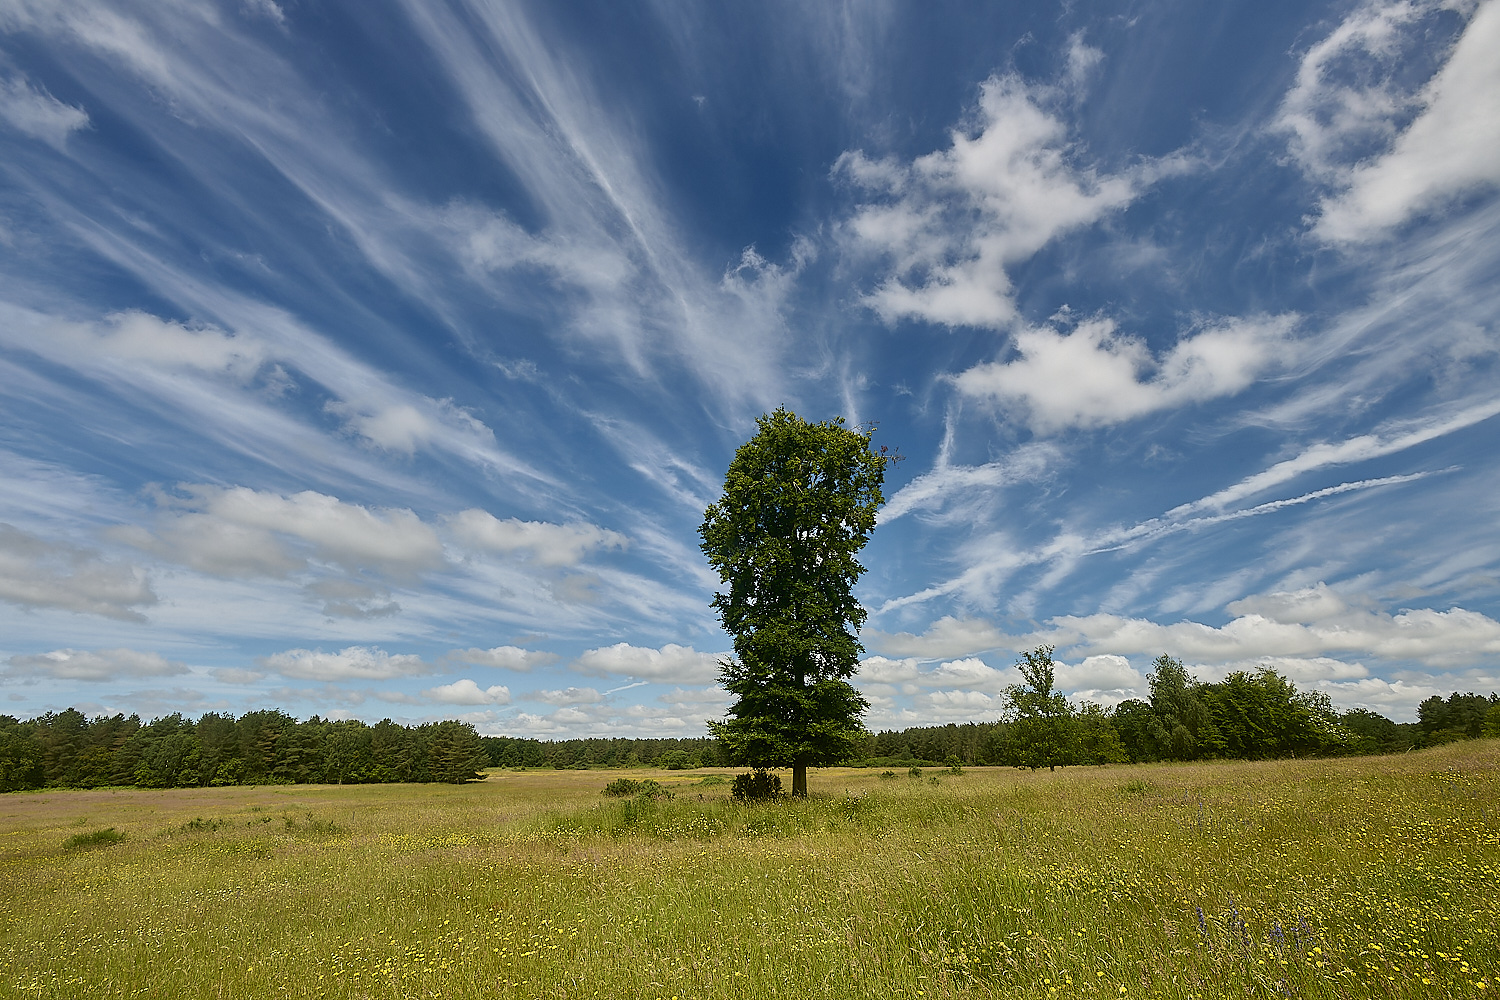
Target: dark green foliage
x,y
1370,732
637,788
454,753
67,750
1041,731
799,503
755,786
1185,728
20,756
1263,715
685,754
1460,717
92,839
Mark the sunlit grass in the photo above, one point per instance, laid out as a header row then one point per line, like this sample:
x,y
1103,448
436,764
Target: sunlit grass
x,y
1343,878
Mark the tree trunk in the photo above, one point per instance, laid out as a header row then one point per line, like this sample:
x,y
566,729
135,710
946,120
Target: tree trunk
x,y
799,780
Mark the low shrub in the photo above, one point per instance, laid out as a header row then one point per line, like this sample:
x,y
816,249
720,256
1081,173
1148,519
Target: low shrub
x,y
646,788
94,838
756,786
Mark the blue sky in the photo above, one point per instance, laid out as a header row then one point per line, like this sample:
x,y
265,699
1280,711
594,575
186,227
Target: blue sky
x,y
378,360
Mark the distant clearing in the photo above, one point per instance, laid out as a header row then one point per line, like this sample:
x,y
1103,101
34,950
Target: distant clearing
x,y
1348,877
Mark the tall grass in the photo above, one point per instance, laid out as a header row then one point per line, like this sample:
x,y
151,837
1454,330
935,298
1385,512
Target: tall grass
x,y
1346,878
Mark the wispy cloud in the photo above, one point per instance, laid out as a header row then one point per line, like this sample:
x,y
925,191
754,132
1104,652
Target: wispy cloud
x,y
1430,146
949,225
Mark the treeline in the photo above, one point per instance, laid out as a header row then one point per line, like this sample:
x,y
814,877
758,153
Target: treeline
x,y
69,750
1259,715
1249,716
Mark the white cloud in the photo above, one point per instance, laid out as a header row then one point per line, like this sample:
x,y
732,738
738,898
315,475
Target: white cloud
x,y
1093,376
351,599
235,675
503,658
948,706
947,636
38,114
710,701
671,663
568,696
930,489
1349,92
38,574
953,221
1434,638
1296,628
969,672
466,692
96,665
268,9
1383,441
238,531
1310,604
351,663
1304,670
881,670
547,544
1107,672
1452,146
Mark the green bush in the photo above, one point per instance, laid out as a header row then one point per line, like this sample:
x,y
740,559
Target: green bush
x,y
630,787
756,786
94,838
915,772
887,774
622,787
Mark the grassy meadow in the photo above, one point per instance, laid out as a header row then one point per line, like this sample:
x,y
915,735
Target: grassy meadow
x,y
1313,878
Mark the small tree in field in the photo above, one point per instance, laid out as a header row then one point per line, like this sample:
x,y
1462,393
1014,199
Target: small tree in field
x,y
799,503
1041,731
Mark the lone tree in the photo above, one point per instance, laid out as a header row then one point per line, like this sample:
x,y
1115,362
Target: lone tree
x,y
799,503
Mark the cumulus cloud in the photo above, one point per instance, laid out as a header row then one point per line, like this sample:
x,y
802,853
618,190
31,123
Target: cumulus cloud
x,y
1303,624
969,672
351,663
1347,116
950,223
962,704
96,665
466,692
882,670
1299,629
1095,376
1107,672
671,663
503,658
706,701
546,544
239,532
946,637
34,112
39,574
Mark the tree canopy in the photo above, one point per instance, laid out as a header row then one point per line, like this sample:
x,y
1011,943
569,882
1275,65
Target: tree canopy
x,y
799,503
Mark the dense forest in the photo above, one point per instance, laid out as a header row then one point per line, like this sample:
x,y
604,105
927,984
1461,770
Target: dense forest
x,y
1257,715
